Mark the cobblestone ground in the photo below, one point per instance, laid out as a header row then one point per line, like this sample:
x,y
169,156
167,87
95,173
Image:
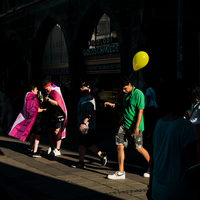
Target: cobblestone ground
x,y
24,177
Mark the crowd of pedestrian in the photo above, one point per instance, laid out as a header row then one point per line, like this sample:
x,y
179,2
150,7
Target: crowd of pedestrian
x,y
168,114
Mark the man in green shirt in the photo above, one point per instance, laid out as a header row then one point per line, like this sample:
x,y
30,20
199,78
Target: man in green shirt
x,y
133,124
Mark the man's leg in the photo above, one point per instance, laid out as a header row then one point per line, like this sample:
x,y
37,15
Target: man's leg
x,y
120,157
145,154
121,143
102,155
32,140
37,141
51,138
81,151
95,149
58,137
140,149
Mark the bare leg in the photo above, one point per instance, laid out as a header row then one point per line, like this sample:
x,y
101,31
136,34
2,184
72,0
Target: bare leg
x,y
145,154
58,138
121,157
37,141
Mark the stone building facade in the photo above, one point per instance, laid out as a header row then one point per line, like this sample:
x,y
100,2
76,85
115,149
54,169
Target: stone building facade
x,y
67,40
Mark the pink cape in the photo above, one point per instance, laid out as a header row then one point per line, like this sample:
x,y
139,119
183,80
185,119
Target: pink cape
x,y
26,118
57,95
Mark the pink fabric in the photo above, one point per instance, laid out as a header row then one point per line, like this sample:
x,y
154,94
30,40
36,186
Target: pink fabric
x,y
197,126
26,118
56,95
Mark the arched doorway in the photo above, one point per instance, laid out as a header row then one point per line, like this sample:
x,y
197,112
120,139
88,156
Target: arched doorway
x,y
102,57
55,65
101,62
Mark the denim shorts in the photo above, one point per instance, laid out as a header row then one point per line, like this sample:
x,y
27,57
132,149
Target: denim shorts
x,y
121,140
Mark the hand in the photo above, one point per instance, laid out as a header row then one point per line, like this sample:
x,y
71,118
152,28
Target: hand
x,y
46,98
108,104
135,132
82,127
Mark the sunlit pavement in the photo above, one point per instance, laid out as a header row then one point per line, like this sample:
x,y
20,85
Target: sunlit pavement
x,y
24,177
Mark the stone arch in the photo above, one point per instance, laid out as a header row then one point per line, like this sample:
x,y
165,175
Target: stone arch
x,y
92,14
45,26
40,41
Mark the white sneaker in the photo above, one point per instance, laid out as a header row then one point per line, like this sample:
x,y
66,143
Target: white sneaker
x,y
48,151
55,152
117,175
147,174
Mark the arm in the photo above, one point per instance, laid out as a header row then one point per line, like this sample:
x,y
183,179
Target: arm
x,y
112,105
87,118
51,101
41,109
139,118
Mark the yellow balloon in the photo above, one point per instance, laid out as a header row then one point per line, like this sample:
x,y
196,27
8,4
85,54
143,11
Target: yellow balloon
x,y
140,60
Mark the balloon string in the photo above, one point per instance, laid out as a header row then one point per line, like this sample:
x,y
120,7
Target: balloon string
x,y
131,74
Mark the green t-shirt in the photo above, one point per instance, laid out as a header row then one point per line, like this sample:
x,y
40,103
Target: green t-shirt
x,y
133,102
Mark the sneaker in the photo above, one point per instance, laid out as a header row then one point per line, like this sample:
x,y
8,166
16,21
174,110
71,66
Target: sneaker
x,y
78,165
117,175
147,174
48,151
103,158
36,155
55,152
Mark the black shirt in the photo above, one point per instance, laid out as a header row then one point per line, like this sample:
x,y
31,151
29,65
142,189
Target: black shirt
x,y
55,111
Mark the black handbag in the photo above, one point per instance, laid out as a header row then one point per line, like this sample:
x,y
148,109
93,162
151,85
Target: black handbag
x,y
58,119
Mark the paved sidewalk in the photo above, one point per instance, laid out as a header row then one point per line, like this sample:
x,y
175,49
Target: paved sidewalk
x,y
24,177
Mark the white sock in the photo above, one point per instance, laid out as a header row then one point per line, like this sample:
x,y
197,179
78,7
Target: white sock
x,y
120,173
